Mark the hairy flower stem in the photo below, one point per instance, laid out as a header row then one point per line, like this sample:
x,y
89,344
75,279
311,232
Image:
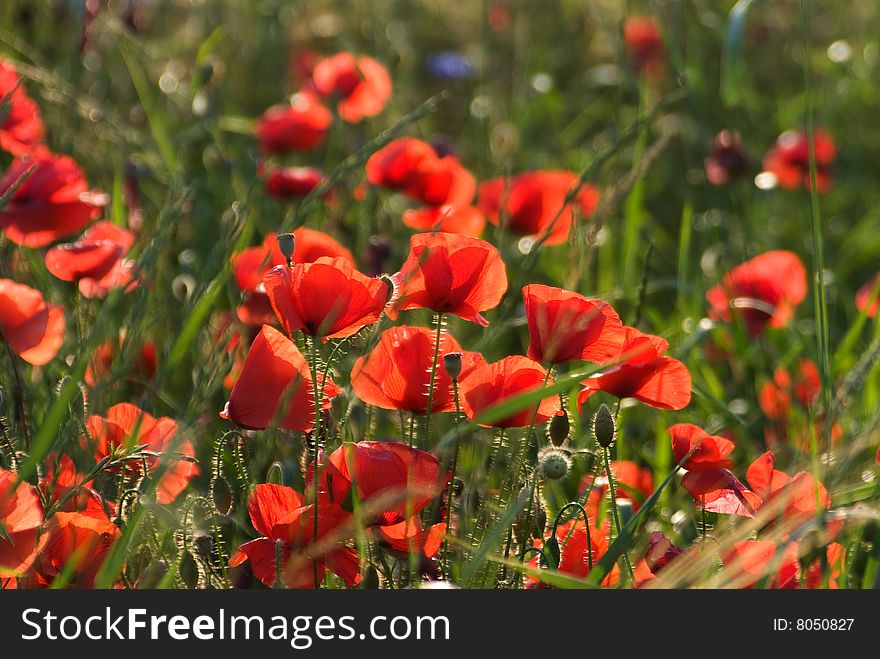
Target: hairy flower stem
x,y
614,511
17,392
317,396
433,378
450,499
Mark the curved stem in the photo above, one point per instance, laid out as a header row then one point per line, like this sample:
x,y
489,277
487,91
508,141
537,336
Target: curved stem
x,y
583,511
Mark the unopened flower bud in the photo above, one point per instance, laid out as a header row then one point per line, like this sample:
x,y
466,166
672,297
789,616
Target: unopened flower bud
x,y
287,243
275,475
558,428
452,364
604,429
554,464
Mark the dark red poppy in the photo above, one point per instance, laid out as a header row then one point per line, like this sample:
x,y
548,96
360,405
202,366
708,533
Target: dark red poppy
x,y
53,202
644,42
764,291
33,328
727,159
142,368
359,83
292,182
533,203
390,477
21,519
465,220
78,545
565,326
789,160
661,552
708,478
449,273
868,296
22,130
489,384
281,513
576,554
396,375
275,386
299,126
644,374
327,298
126,426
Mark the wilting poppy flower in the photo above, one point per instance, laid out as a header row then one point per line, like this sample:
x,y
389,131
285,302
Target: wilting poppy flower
x,y
661,552
33,328
78,545
280,513
449,273
21,519
533,203
292,182
763,291
126,426
300,126
53,201
489,384
708,478
644,374
396,375
397,480
727,160
465,220
789,160
327,298
361,85
576,554
644,42
22,129
100,367
868,296
564,325
275,386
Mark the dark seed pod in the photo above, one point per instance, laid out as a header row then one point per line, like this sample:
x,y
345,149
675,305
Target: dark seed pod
x,y
452,364
189,571
604,429
287,243
558,428
221,494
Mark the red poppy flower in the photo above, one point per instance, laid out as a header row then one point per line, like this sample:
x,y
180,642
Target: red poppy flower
x,y
121,272
449,273
292,182
398,479
709,480
402,165
644,42
764,291
21,518
396,375
22,129
33,328
361,85
727,160
576,553
101,364
79,544
408,537
326,298
63,483
280,513
122,275
53,201
126,426
633,483
274,379
789,160
75,261
750,561
776,396
868,296
644,374
564,325
300,126
533,203
489,384
464,220
661,552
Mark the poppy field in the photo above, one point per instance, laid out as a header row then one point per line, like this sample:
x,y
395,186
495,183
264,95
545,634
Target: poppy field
x,y
439,294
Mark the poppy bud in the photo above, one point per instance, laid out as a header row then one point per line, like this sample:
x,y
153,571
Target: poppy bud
x,y
188,571
554,463
452,364
604,429
275,475
287,243
221,493
370,578
558,428
204,544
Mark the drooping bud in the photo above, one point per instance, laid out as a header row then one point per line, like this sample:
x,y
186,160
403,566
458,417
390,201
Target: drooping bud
x,y
221,493
188,571
275,475
558,428
452,364
604,429
287,243
554,463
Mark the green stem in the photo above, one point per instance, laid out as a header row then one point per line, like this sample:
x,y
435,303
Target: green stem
x,y
317,396
450,499
433,378
614,511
